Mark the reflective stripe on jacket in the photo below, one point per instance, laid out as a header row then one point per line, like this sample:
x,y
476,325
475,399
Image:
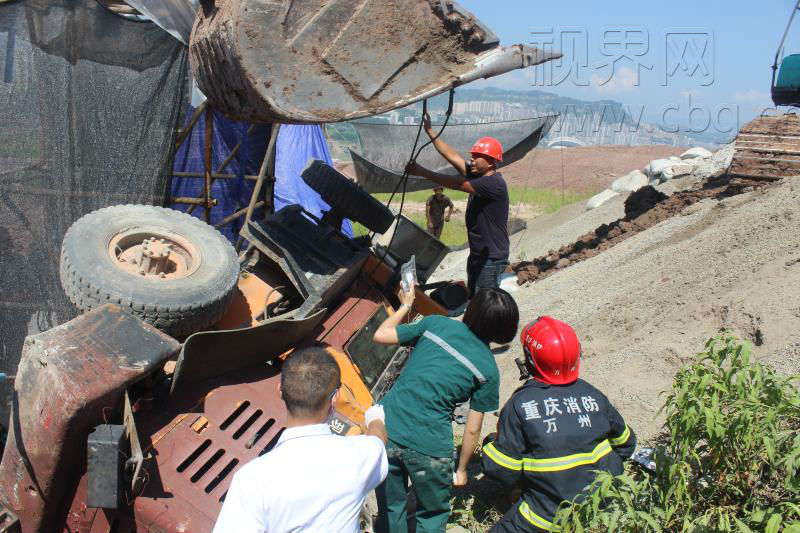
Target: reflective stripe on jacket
x,y
552,438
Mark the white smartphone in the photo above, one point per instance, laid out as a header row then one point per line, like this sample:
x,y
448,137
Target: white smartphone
x,y
408,274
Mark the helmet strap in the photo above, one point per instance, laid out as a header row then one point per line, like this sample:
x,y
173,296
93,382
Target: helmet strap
x,y
530,370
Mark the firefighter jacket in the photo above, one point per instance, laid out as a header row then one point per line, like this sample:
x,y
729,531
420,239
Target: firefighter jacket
x,y
550,438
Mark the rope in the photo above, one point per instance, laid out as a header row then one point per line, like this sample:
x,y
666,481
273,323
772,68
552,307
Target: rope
x,y
522,234
404,178
519,204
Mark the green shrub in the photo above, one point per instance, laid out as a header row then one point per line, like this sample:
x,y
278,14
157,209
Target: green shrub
x,y
729,459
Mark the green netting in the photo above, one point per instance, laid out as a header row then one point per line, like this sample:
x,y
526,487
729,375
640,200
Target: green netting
x,y
89,105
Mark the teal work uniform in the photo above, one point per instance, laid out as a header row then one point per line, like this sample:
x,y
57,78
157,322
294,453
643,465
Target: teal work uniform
x,y
448,366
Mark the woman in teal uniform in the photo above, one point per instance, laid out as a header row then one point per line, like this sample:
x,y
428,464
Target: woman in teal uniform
x,y
450,364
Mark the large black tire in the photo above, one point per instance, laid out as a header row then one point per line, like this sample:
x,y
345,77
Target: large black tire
x,y
347,197
91,276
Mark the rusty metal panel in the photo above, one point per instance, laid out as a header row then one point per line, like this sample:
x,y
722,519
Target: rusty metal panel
x,y
356,307
66,378
212,353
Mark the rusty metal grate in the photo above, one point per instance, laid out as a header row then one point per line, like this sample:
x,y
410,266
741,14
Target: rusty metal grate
x,y
207,465
247,423
222,475
194,455
217,457
241,408
202,444
260,433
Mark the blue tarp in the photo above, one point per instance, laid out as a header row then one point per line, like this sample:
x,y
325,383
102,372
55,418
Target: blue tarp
x,y
231,194
295,146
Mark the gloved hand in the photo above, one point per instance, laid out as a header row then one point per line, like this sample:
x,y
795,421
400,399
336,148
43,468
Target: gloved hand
x,y
374,413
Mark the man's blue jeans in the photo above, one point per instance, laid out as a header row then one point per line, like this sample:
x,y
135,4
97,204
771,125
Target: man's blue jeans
x,y
484,273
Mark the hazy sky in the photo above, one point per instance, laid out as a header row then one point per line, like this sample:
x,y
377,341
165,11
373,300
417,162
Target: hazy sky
x,y
727,46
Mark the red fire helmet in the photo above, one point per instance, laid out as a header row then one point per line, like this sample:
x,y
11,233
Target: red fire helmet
x,y
488,146
553,348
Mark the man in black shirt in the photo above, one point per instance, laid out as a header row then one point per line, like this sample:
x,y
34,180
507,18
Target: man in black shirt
x,y
487,209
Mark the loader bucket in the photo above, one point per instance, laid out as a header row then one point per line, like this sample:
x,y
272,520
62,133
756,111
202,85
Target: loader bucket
x,y
312,61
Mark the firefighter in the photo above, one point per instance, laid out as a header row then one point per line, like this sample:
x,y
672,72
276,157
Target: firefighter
x,y
554,431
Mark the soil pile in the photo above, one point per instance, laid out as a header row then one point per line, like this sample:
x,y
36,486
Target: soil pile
x,y
643,200
643,209
644,306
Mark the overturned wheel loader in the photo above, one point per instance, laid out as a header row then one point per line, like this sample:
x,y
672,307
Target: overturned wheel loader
x,y
118,426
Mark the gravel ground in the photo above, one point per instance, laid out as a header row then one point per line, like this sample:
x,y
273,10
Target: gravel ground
x,y
643,307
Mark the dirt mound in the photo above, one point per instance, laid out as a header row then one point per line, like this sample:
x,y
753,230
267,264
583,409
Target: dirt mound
x,y
643,209
642,200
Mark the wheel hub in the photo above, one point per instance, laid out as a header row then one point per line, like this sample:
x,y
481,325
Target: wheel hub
x,y
153,256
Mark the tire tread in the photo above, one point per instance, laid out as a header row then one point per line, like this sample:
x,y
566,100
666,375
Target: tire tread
x,y
175,320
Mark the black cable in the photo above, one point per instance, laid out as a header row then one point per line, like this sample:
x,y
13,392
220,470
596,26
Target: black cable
x,y
402,181
415,153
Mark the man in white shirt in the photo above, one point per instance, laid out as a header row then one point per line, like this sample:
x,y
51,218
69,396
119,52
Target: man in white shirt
x,y
312,480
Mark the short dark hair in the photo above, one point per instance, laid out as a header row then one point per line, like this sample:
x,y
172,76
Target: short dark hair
x,y
308,378
492,315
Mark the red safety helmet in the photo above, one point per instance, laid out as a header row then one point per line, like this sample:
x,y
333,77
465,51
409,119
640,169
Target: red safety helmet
x,y
488,146
553,348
